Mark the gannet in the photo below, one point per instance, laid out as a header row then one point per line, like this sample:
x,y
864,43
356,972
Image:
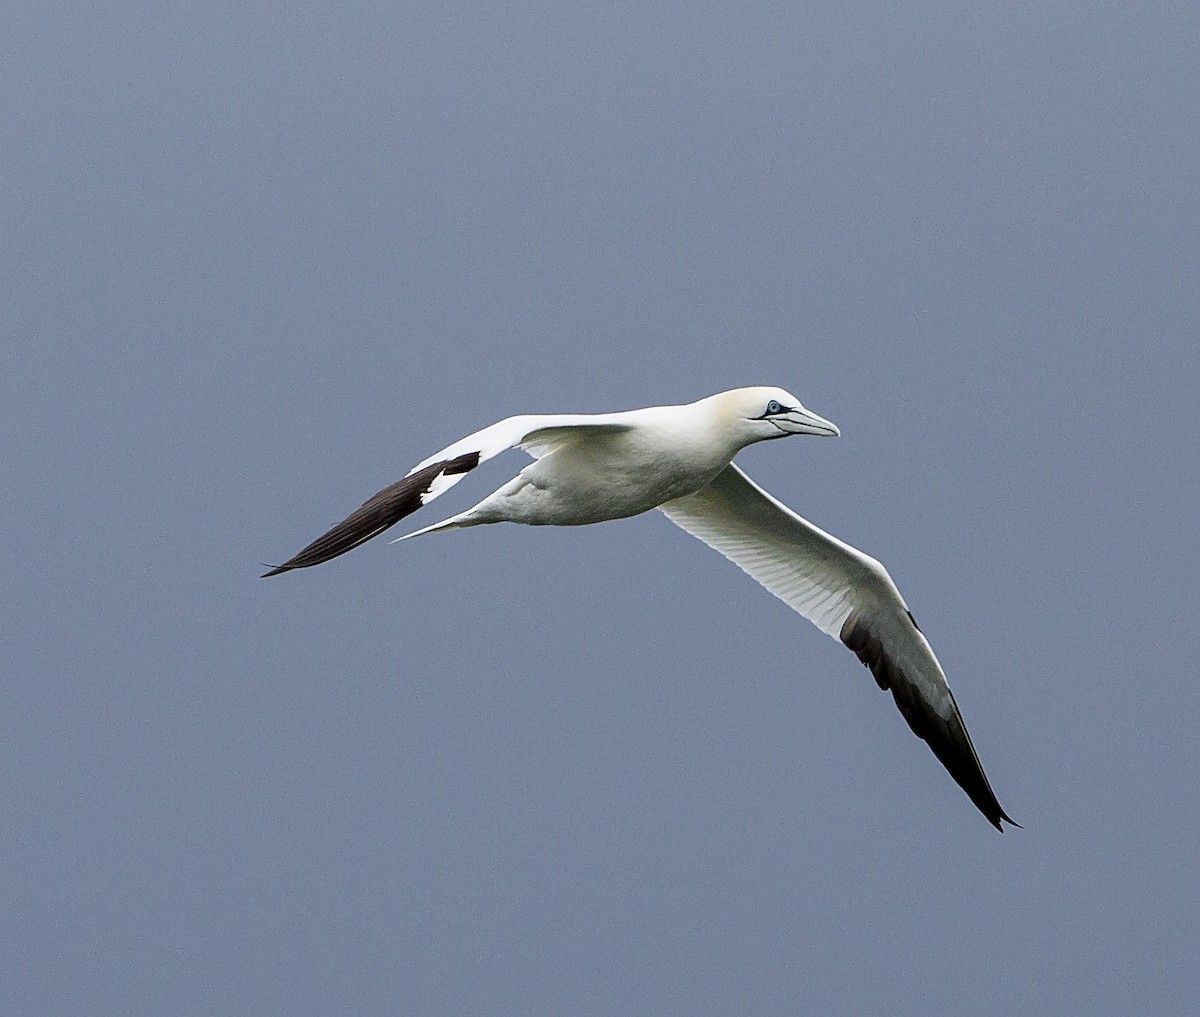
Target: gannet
x,y
589,468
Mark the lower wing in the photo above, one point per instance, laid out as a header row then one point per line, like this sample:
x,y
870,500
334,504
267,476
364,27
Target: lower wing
x,y
846,594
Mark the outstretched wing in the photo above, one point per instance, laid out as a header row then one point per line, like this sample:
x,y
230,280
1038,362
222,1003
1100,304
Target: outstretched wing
x,y
846,594
538,435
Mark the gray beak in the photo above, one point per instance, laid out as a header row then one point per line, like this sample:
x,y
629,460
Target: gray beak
x,y
802,421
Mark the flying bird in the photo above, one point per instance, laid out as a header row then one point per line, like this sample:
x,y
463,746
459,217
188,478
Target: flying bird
x,y
589,468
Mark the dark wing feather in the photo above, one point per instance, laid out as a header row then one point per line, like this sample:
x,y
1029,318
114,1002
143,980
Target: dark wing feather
x,y
376,514
946,736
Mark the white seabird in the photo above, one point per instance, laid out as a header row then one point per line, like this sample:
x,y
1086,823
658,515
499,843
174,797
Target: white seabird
x,y
592,467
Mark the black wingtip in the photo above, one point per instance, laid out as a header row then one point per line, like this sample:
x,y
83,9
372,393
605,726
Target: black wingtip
x,y
1009,821
997,816
945,734
376,514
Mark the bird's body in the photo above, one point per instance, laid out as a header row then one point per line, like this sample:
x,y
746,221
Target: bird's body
x,y
590,468
606,466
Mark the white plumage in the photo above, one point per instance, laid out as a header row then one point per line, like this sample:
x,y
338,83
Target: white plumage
x,y
593,467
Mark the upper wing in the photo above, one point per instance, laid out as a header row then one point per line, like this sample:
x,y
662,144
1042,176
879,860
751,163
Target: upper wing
x,y
847,595
538,435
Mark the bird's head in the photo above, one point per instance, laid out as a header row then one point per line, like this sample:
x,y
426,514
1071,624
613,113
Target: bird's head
x,y
762,413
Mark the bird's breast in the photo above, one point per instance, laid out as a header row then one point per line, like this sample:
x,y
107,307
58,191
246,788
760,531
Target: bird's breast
x,y
623,476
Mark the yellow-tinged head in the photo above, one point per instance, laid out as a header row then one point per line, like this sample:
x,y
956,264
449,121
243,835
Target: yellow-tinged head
x,y
762,412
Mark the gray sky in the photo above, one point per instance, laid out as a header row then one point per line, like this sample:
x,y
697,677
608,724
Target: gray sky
x,y
259,259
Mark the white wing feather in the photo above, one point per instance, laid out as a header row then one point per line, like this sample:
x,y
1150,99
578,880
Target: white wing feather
x,y
810,570
846,594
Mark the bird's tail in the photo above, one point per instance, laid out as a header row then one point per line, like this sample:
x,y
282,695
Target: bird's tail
x,y
457,522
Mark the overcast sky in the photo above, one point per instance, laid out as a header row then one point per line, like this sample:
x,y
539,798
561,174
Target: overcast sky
x,y
259,259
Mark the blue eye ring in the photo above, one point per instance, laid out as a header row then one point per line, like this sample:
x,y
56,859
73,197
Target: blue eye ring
x,y
774,407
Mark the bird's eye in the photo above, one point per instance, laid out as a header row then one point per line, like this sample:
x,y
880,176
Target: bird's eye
x,y
773,407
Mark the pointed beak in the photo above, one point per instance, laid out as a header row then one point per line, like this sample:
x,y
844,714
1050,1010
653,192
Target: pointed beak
x,y
802,421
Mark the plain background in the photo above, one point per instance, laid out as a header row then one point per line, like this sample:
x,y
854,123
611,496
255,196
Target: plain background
x,y
260,258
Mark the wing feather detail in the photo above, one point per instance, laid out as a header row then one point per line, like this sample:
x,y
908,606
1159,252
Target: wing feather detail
x,y
380,511
434,476
849,596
